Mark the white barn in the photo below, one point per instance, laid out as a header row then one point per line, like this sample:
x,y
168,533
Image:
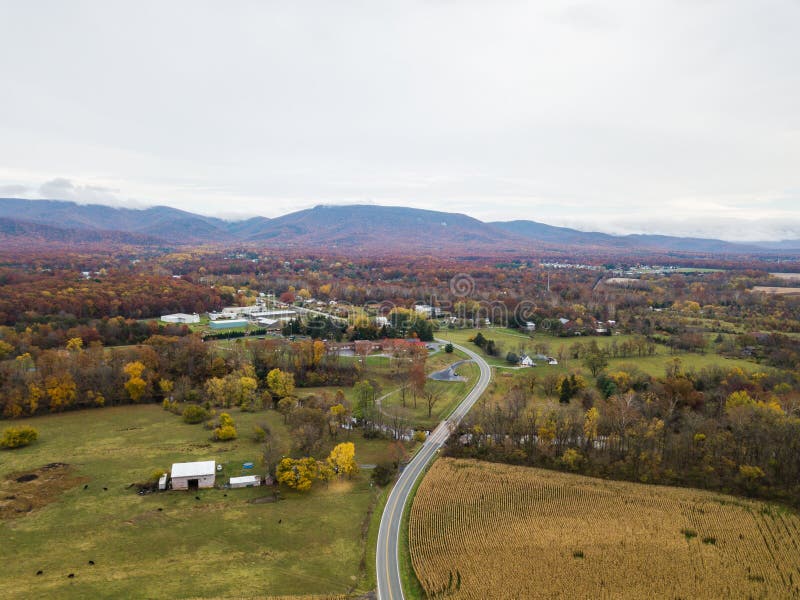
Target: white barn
x,y
193,475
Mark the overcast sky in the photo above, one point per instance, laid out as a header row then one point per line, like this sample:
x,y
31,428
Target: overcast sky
x,y
678,117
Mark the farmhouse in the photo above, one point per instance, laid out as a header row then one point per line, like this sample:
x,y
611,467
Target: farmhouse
x,y
526,361
180,318
193,475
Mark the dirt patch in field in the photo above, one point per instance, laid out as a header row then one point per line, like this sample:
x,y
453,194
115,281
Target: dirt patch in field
x,y
264,500
22,493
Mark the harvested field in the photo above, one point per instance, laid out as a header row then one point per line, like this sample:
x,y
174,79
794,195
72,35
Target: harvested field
x,y
767,289
482,530
24,492
631,282
787,276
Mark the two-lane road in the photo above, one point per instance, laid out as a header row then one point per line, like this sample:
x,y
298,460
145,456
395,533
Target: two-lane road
x,y
387,563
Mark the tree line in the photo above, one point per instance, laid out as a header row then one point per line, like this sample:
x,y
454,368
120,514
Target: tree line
x,y
719,429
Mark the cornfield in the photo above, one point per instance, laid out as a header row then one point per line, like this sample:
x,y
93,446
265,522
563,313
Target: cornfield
x,y
482,530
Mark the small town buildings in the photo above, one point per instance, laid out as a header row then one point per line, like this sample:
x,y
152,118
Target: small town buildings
x,y
181,318
245,481
228,323
193,475
425,310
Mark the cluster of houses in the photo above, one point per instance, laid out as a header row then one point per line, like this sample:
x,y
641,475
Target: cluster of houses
x,y
202,475
532,361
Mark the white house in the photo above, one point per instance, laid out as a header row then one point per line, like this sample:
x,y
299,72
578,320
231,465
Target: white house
x,y
552,361
381,321
530,326
526,361
180,318
193,475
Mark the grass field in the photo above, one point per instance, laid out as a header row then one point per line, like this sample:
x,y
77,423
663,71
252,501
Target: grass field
x,y
483,530
655,365
169,544
451,393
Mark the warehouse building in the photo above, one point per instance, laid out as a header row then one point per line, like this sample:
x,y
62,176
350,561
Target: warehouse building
x,y
228,324
180,318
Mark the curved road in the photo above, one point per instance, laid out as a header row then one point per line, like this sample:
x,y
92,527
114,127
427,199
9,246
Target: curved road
x,y
387,563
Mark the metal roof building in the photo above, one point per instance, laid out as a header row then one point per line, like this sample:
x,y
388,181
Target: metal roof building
x,y
245,481
193,475
228,323
180,318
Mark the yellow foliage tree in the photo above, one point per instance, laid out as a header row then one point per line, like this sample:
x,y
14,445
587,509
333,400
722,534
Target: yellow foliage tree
x,y
5,349
298,474
61,390
216,392
34,395
319,351
75,344
166,386
247,390
590,422
225,430
572,459
135,386
279,383
342,459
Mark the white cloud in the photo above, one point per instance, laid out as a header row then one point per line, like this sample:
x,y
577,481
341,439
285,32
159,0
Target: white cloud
x,y
13,190
64,189
675,116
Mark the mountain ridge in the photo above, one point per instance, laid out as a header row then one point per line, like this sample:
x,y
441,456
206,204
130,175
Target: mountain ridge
x,y
361,228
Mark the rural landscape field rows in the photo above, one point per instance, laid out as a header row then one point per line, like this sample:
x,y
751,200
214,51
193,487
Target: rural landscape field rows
x,y
481,530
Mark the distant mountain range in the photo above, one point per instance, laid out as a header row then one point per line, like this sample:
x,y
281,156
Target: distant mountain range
x,y
354,228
